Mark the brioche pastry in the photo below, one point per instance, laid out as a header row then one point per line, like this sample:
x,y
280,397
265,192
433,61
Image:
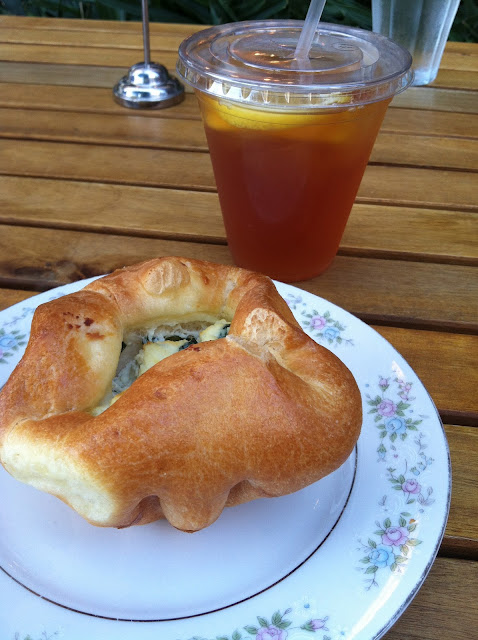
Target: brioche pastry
x,y
126,436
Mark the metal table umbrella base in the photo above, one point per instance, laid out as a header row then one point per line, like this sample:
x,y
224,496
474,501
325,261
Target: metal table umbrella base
x,y
148,85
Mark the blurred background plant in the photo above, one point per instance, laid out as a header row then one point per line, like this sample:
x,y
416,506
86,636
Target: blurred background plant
x,y
351,12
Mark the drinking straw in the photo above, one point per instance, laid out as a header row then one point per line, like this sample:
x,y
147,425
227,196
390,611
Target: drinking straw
x,y
308,30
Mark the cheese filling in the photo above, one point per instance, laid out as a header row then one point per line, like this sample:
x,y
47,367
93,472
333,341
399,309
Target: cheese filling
x,y
143,352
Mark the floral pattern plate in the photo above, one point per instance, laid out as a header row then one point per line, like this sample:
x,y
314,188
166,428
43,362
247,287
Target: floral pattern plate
x,y
339,560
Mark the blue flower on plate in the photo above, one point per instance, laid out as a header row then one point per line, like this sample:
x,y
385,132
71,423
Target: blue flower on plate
x,y
331,333
396,425
8,341
382,556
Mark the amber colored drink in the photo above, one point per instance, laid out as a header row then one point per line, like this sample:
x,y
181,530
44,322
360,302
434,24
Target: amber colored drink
x,y
287,181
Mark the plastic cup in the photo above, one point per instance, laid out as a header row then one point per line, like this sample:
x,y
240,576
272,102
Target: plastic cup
x,y
421,26
290,139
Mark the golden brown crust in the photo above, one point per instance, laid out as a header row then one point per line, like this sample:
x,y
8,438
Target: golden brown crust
x,y
262,412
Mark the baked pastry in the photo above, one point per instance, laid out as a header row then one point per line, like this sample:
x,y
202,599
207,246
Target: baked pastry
x,y
263,412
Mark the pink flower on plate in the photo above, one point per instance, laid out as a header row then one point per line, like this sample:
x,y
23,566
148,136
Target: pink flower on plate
x,y
293,300
318,322
318,624
405,387
384,383
395,536
411,486
387,408
271,633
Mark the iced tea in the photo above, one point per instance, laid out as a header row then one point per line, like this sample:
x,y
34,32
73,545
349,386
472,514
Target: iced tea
x,y
290,136
287,181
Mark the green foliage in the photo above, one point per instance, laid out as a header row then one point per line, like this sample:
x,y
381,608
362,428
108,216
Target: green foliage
x,y
465,27
351,12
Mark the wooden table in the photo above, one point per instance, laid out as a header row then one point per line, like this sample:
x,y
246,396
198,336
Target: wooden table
x,y
87,186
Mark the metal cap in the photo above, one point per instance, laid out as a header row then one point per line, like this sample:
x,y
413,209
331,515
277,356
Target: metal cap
x,y
148,86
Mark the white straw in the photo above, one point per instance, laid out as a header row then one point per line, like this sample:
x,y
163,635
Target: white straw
x,y
310,26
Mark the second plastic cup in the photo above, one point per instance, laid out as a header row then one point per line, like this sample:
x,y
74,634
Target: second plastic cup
x,y
421,26
290,139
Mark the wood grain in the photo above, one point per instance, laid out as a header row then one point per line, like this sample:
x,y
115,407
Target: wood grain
x,y
96,100
66,31
144,211
463,518
9,297
458,55
132,130
426,120
181,134
116,57
81,99
164,39
436,99
151,167
108,56
425,151
456,79
61,74
406,232
444,607
192,170
445,363
398,292
430,98
386,292
420,234
107,27
60,31
419,187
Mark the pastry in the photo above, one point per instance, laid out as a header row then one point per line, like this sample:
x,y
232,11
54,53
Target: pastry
x,y
172,389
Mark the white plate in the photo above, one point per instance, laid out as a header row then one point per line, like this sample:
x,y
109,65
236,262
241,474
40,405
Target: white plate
x,y
339,560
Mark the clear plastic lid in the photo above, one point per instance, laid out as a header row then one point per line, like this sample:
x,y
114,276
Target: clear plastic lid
x,y
253,63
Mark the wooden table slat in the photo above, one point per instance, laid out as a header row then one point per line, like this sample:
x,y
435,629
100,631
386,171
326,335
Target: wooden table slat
x,y
114,57
433,235
440,609
412,187
192,170
456,79
459,56
166,39
425,151
9,297
407,293
463,517
436,357
105,33
62,74
97,100
398,119
427,122
136,131
106,27
96,56
82,78
105,129
437,99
